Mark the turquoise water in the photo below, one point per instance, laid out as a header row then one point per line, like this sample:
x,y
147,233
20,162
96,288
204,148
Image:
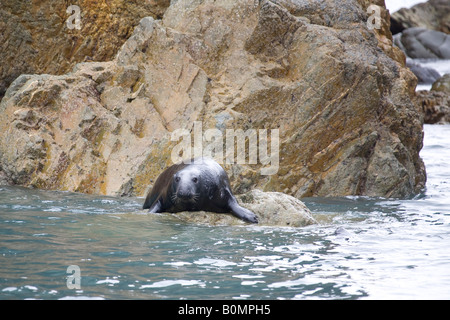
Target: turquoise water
x,y
363,248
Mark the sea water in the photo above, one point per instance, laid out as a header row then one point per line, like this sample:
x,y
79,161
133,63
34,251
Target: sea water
x,y
362,248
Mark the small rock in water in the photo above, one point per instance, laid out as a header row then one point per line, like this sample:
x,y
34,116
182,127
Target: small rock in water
x,y
272,209
341,232
442,84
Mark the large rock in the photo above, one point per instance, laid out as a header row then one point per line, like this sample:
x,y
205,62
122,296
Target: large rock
x,y
41,36
431,14
421,43
339,94
272,209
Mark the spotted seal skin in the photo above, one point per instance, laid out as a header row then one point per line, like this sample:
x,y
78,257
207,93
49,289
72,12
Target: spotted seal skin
x,y
201,185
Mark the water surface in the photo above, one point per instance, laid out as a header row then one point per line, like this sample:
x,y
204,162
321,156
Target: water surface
x,y
363,248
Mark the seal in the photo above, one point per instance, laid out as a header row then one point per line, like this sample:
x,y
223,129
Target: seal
x,y
199,185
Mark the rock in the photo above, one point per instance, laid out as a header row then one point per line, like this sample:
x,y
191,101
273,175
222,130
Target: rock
x,y
40,36
425,75
272,209
432,14
442,84
338,93
435,103
435,106
420,43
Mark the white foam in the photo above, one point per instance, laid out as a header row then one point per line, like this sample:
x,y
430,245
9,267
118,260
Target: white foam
x,y
32,288
251,283
248,276
168,283
108,281
214,262
177,263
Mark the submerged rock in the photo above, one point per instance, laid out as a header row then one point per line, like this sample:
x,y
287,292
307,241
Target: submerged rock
x,y
338,93
272,209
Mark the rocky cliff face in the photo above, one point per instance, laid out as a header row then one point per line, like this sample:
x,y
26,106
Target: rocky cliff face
x,y
338,94
42,36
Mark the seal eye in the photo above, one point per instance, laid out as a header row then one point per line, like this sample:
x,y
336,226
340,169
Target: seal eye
x,y
195,180
177,179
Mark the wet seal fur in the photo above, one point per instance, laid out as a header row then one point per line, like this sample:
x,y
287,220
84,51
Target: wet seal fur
x,y
201,185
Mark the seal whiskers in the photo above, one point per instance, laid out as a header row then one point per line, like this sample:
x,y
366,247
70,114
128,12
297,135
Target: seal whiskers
x,y
174,198
195,197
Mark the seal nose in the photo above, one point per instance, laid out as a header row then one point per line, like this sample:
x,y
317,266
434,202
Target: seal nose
x,y
184,195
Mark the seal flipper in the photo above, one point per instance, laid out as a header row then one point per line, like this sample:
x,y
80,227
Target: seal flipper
x,y
241,212
149,201
156,207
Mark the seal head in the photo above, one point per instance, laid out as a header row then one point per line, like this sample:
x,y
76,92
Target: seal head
x,y
200,185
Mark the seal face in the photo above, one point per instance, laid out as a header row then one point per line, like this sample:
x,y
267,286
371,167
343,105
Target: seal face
x,y
200,185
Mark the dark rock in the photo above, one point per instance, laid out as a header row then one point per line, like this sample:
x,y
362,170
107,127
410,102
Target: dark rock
x,y
421,43
424,75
